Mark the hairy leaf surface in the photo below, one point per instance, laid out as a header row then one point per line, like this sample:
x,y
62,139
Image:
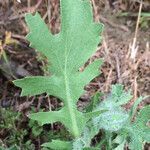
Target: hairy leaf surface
x,y
66,52
136,133
139,132
115,118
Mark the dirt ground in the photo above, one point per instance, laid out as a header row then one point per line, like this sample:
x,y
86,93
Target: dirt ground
x,y
123,62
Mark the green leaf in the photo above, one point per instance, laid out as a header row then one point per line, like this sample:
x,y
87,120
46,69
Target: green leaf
x,y
119,96
10,148
36,129
90,115
91,148
1,148
58,145
95,100
138,132
115,118
115,99
136,103
120,140
120,146
78,144
66,52
112,120
84,142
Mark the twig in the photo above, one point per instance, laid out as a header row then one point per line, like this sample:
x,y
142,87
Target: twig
x,y
25,10
103,19
118,69
134,48
95,11
49,12
121,27
50,108
135,88
108,80
147,52
29,5
16,36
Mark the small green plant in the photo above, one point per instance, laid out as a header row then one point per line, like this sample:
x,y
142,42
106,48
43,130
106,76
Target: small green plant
x,y
144,18
11,148
67,52
116,121
11,131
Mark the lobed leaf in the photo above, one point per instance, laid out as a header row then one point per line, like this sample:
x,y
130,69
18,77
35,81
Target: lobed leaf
x,y
115,118
66,52
119,96
138,132
136,103
95,100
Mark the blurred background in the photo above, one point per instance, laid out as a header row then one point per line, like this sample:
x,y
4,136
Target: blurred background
x,y
125,49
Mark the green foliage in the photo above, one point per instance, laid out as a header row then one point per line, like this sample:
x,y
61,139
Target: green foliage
x,y
144,18
36,129
66,52
11,148
95,100
116,123
10,125
137,133
115,118
14,131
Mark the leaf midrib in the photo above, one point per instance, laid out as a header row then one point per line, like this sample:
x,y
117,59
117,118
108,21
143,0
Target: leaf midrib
x,y
70,105
69,100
